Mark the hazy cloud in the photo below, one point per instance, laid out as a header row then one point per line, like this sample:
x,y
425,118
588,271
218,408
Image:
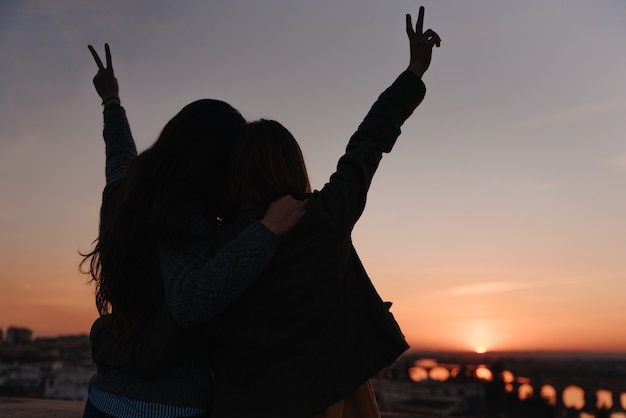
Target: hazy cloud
x,y
526,186
492,287
530,187
617,161
564,116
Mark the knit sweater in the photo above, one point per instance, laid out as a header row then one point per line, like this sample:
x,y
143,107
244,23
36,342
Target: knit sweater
x,y
212,279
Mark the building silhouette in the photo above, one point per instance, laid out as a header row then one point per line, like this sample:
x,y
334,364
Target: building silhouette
x,y
17,335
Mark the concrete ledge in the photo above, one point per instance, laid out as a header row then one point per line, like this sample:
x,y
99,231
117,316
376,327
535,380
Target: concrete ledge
x,y
40,408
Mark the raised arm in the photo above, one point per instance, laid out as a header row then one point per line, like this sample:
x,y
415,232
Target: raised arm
x,y
120,146
343,198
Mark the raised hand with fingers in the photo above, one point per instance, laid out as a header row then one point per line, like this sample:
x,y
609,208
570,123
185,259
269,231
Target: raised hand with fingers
x,y
421,44
104,80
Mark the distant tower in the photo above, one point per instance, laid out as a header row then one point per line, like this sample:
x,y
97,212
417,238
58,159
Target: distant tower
x,y
18,335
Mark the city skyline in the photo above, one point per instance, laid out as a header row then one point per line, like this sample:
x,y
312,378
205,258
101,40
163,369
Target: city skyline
x,y
498,222
524,384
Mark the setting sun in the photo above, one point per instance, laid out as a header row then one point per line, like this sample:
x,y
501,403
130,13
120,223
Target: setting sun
x,y
481,349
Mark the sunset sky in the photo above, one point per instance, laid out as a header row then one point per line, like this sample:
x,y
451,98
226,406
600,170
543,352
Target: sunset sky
x,y
498,221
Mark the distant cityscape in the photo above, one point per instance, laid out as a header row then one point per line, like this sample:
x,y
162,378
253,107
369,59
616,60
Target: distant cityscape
x,y
419,384
51,368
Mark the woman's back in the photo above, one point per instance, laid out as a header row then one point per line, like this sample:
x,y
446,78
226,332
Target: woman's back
x,y
312,328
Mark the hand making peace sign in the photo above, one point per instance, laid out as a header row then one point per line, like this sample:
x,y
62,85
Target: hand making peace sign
x,y
105,81
421,44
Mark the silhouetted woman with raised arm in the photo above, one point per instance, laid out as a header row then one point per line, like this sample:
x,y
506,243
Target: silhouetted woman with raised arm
x,y
158,208
305,337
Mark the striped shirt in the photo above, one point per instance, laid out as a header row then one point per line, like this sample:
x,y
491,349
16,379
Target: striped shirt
x,y
120,406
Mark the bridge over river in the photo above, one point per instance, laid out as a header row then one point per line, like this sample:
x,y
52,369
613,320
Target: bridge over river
x,y
591,385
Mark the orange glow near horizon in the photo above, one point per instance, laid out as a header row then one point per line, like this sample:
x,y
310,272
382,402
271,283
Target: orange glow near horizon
x,y
71,310
60,302
480,336
52,298
494,333
50,309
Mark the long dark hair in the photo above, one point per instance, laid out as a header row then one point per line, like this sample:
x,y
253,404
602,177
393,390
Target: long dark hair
x,y
265,163
166,187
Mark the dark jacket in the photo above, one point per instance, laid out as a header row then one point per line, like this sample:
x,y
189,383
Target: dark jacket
x,y
312,327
